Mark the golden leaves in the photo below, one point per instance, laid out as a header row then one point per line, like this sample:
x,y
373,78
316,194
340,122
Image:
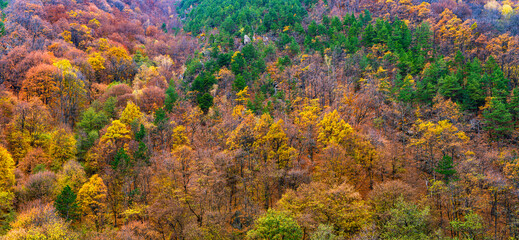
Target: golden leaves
x,y
116,131
333,129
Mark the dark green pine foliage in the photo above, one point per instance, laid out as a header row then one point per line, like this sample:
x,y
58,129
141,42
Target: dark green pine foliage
x,y
423,39
203,82
142,152
365,18
250,15
336,23
499,85
368,36
139,136
171,97
474,93
450,87
498,120
405,88
239,83
446,168
121,160
401,38
238,64
514,105
205,102
383,31
496,81
160,118
66,204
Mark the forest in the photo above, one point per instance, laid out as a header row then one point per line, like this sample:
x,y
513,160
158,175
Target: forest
x,y
259,119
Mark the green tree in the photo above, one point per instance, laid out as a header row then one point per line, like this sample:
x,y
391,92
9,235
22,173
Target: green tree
x,y
92,120
368,36
498,120
407,221
66,204
471,228
239,83
324,232
171,97
275,225
514,105
474,93
450,87
205,102
446,168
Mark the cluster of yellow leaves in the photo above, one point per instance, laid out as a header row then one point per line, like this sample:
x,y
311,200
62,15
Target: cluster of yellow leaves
x,y
67,36
275,143
235,55
96,61
131,113
242,97
62,148
333,129
237,138
340,206
94,22
119,54
92,197
309,114
116,131
179,137
103,44
6,170
40,222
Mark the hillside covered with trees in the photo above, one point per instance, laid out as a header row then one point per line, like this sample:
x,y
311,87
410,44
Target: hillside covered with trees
x,y
259,119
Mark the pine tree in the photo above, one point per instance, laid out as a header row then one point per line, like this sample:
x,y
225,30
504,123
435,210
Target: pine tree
x,y
171,98
66,204
474,93
121,159
205,102
368,36
514,105
450,87
239,83
498,120
446,168
406,92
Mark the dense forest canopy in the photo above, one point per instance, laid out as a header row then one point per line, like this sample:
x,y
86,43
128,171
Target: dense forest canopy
x,y
259,119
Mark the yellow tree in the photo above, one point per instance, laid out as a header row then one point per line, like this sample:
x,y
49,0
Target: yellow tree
x,y
62,148
318,203
96,61
71,92
7,181
131,113
333,129
6,170
92,200
433,139
305,120
116,133
242,97
272,154
179,137
276,143
120,66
